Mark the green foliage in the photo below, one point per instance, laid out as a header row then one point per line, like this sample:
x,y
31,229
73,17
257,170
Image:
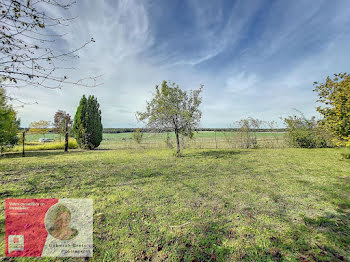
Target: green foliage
x,y
79,126
305,133
60,120
137,136
94,124
87,123
39,127
9,124
168,142
173,109
119,130
335,96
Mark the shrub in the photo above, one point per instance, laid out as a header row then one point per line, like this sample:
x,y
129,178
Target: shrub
x,y
9,124
168,142
305,133
137,136
247,130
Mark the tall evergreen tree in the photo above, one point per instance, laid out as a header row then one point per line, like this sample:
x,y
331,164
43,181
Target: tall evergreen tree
x,y
87,123
79,126
94,125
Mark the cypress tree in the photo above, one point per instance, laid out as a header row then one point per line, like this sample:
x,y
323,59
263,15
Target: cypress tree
x,y
87,123
79,126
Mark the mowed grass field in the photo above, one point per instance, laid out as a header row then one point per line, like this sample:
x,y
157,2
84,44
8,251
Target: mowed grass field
x,y
277,204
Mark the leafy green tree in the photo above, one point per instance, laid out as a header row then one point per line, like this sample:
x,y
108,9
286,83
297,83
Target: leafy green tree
x,y
9,124
39,127
334,94
62,124
87,123
173,109
60,121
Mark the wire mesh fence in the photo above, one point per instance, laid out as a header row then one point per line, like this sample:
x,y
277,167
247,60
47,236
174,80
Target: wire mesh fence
x,y
210,142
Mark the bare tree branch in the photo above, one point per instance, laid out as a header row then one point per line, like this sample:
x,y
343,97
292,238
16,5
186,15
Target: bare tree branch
x,y
26,54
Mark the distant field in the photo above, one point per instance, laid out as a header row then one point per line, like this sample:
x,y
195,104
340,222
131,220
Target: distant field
x,y
210,205
36,137
202,139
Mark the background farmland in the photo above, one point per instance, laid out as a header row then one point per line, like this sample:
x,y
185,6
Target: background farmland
x,y
201,139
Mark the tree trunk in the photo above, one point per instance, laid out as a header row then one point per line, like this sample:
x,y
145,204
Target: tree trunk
x,y
178,143
66,138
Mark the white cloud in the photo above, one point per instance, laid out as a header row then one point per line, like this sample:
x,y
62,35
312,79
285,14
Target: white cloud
x,y
262,79
242,83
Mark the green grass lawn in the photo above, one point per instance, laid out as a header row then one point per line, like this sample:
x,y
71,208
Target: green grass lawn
x,y
223,205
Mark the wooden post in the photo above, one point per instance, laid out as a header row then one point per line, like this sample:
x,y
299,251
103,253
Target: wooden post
x,y
23,138
216,142
66,138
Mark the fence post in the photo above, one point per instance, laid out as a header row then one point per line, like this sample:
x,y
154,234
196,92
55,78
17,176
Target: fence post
x,y
23,137
66,138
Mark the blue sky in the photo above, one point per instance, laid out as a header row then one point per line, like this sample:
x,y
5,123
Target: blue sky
x,y
255,58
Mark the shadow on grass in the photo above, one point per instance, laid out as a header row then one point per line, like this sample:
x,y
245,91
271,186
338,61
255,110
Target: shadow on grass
x,y
104,149
332,229
205,243
336,228
41,153
32,187
214,153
